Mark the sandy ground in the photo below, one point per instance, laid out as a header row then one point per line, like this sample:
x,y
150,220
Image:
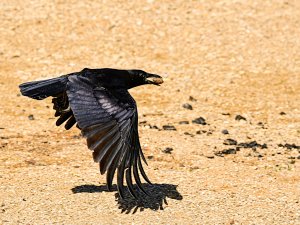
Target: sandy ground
x,y
233,58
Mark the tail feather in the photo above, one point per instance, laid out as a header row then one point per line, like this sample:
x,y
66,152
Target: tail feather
x,y
44,88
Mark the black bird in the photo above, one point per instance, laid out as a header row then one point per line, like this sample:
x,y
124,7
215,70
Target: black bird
x,y
99,102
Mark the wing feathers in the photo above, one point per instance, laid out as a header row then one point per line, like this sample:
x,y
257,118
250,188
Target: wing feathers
x,y
106,163
103,139
90,131
63,118
109,121
111,172
129,182
120,178
136,174
142,170
100,153
70,122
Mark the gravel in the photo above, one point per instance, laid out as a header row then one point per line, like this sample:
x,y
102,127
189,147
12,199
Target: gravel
x,y
199,120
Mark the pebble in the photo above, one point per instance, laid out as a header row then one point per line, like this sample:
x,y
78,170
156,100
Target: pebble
x,y
183,122
226,152
261,125
252,144
239,117
226,114
230,141
187,133
154,127
201,131
199,120
210,156
225,132
289,146
31,117
192,99
167,150
169,127
79,136
187,106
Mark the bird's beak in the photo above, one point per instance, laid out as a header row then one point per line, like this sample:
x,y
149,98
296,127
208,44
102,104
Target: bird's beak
x,y
154,79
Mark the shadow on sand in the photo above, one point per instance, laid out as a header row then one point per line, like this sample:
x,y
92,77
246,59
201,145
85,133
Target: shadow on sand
x,y
158,196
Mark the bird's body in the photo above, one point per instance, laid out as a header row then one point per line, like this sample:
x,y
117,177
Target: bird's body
x,y
98,102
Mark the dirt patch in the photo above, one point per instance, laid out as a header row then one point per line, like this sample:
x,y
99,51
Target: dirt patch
x,y
231,72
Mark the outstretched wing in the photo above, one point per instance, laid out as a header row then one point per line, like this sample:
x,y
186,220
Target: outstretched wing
x,y
109,121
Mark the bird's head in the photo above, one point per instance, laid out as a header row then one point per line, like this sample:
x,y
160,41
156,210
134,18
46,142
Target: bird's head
x,y
140,77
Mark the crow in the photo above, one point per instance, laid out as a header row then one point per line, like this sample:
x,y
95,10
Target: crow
x,y
98,102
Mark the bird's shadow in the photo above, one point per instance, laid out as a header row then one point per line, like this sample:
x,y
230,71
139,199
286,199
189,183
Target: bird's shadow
x,y
156,201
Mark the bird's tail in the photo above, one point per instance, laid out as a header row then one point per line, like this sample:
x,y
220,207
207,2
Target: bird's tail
x,y
44,88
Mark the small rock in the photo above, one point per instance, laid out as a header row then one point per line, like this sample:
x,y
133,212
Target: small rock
x,y
292,161
264,146
289,146
31,117
192,99
183,122
209,133
261,125
298,157
30,162
150,157
195,167
229,151
77,136
154,127
201,131
239,117
226,152
187,133
252,144
199,120
187,106
169,127
230,141
210,156
282,113
225,132
291,157
167,150
226,114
